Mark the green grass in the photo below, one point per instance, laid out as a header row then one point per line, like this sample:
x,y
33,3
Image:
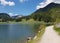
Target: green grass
x,y
57,30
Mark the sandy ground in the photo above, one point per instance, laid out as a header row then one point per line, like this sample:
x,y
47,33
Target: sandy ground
x,y
50,36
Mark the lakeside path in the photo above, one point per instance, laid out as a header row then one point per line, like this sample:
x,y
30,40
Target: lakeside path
x,y
50,36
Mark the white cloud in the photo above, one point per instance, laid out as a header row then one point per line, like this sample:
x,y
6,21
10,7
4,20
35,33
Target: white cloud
x,y
46,2
22,1
11,14
4,2
57,1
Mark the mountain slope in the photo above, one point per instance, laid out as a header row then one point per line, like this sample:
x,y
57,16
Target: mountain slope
x,y
47,14
5,17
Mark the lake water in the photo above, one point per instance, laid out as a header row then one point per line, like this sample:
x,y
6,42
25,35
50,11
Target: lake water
x,y
16,33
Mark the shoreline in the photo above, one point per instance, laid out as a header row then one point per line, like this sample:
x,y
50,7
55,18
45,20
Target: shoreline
x,y
38,36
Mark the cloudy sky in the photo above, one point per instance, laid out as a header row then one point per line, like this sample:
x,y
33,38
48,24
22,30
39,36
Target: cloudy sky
x,y
23,7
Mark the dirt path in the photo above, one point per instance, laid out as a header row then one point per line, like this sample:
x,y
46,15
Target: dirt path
x,y
50,36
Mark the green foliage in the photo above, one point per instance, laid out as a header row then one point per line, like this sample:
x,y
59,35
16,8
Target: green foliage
x,y
23,20
57,30
48,14
30,20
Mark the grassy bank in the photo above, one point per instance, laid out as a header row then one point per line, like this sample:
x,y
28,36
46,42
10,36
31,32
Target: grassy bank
x,y
57,29
38,35
41,31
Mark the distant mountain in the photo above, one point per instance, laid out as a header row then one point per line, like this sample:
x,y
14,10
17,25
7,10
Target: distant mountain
x,y
4,17
47,14
16,17
23,17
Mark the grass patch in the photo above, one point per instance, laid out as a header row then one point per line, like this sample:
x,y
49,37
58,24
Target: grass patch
x,y
57,30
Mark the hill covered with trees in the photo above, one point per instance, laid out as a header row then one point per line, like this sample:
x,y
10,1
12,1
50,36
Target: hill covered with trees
x,y
50,13
4,17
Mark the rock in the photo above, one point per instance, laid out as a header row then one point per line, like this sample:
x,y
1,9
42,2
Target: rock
x,y
29,38
35,37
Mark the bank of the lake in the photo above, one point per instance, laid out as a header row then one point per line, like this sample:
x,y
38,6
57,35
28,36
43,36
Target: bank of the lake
x,y
38,36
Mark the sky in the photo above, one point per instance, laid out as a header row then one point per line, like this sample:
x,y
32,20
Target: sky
x,y
23,7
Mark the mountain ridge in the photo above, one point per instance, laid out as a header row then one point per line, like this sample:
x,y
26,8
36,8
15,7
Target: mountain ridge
x,y
49,6
48,13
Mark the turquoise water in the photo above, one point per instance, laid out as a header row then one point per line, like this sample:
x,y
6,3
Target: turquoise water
x,y
16,33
